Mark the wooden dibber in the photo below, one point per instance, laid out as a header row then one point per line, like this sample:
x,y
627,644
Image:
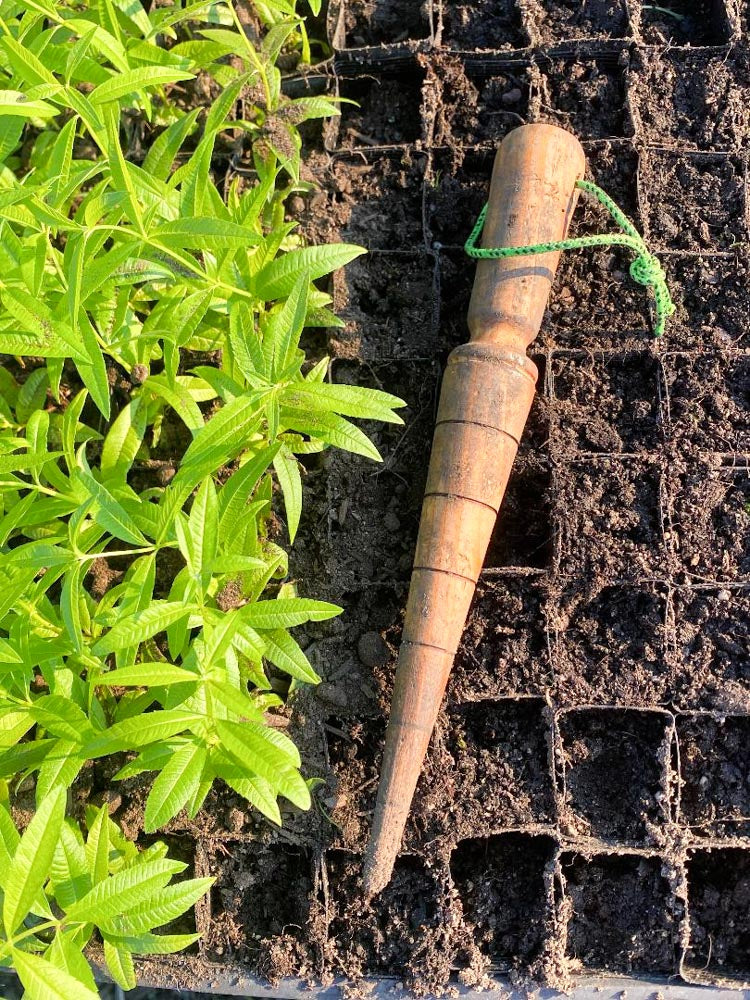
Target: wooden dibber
x,y
487,392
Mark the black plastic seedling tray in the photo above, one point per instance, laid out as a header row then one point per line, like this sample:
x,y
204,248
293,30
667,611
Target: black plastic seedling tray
x,y
584,813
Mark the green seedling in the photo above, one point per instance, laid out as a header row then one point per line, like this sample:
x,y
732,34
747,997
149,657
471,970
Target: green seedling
x,y
60,888
664,10
151,424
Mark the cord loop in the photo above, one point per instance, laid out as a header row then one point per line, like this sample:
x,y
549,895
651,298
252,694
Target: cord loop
x,y
646,268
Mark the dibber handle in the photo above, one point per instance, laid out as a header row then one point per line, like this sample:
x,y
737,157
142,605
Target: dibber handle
x,y
532,198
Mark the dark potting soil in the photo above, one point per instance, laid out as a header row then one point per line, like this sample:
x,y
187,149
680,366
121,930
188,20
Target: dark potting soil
x,y
597,304
712,308
468,110
527,542
718,901
622,417
404,930
244,910
559,825
615,775
554,21
486,24
379,549
456,189
694,203
375,22
708,506
500,765
386,304
712,634
612,519
622,916
504,885
689,99
715,773
610,646
379,112
683,22
705,400
374,201
505,646
354,745
587,98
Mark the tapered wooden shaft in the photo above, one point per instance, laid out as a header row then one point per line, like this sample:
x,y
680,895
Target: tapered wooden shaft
x,y
487,392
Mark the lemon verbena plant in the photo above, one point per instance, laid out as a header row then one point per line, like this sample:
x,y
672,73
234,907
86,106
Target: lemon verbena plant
x,y
154,405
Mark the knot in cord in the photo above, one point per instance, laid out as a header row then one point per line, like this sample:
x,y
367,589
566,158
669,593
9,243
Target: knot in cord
x,y
646,268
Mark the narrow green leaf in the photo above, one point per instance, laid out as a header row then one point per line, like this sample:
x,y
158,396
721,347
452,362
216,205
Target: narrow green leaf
x,y
287,612
277,279
61,716
159,944
120,964
203,526
68,873
176,783
30,867
135,13
130,83
284,652
138,627
293,786
23,756
165,147
130,734
70,426
25,64
8,654
102,40
348,400
60,768
109,512
15,104
121,892
153,758
285,325
256,748
178,397
70,603
97,847
221,439
123,440
235,493
147,675
45,981
332,429
11,130
93,372
290,481
255,789
45,336
204,233
10,838
65,953
237,701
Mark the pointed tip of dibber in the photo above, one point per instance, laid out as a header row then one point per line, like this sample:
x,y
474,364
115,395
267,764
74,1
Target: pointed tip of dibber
x,y
375,875
380,856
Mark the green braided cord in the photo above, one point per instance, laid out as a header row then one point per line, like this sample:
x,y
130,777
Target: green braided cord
x,y
646,269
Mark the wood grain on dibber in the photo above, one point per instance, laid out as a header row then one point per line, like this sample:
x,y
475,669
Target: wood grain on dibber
x,y
487,392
